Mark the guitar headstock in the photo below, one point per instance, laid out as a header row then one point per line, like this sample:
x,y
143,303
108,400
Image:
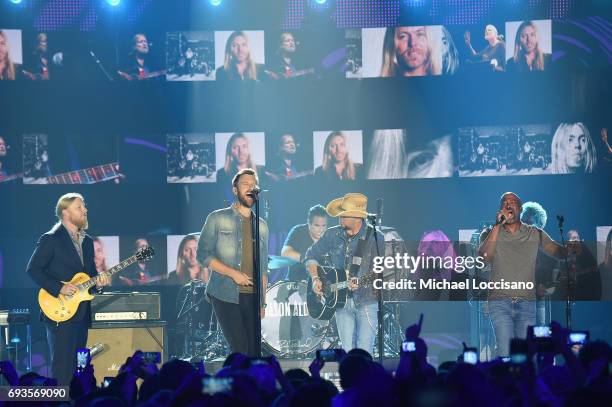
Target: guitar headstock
x,y
146,253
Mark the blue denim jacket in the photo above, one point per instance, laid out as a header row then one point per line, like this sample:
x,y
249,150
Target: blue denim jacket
x,y
221,239
337,245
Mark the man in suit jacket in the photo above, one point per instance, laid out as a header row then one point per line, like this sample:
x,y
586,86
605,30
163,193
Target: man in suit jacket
x,y
61,253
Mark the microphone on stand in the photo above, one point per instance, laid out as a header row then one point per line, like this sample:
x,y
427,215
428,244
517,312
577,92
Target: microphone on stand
x,y
256,191
560,219
379,210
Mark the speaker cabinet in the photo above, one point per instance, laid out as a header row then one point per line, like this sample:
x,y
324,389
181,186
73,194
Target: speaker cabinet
x,y
111,343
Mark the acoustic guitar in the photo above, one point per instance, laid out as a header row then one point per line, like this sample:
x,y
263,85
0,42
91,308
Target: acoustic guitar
x,y
334,291
63,307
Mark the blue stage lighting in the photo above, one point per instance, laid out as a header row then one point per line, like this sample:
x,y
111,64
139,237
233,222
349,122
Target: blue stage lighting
x,y
113,3
321,1
16,1
215,3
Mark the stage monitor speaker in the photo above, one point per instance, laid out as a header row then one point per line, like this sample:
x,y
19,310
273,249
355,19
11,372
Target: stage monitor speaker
x,y
111,343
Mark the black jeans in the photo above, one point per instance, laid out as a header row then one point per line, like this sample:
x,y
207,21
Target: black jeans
x,y
237,322
64,339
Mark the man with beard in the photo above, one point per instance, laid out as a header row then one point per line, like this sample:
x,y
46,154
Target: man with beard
x,y
512,248
139,273
285,165
226,248
139,67
61,253
284,65
528,53
407,51
238,63
39,69
187,266
357,321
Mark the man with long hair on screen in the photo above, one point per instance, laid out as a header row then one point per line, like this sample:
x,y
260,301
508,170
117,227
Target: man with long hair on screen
x,y
408,51
226,248
285,164
582,266
573,150
337,163
285,64
187,266
238,63
61,253
237,157
99,255
139,67
39,68
7,67
139,273
528,55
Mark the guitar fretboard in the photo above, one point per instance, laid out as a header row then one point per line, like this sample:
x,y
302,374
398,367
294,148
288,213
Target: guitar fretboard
x,y
115,269
11,177
91,175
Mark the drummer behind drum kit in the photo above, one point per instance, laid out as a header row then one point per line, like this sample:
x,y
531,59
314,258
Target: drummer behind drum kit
x,y
288,330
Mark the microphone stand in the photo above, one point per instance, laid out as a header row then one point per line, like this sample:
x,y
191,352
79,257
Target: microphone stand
x,y
257,277
569,286
104,71
379,299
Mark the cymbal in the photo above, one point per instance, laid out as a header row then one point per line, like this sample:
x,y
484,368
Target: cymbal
x,y
279,262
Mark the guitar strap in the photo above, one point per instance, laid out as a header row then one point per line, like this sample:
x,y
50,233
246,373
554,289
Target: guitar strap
x,y
355,264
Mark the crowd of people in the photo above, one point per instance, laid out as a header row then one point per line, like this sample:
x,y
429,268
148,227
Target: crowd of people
x,y
541,379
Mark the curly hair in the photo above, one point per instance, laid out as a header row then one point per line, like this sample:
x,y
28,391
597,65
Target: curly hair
x,y
534,214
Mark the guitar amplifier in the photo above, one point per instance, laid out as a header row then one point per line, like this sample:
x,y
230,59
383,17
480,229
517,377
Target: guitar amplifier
x,y
110,343
120,306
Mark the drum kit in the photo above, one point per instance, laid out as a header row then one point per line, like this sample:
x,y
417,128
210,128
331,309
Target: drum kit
x,y
287,330
198,325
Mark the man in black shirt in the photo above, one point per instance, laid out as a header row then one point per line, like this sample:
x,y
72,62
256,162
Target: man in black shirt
x,y
301,237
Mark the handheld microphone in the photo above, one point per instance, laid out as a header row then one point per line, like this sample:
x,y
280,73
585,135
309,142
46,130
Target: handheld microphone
x,y
96,349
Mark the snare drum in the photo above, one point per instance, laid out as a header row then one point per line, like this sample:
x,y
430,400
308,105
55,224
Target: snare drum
x,y
287,329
